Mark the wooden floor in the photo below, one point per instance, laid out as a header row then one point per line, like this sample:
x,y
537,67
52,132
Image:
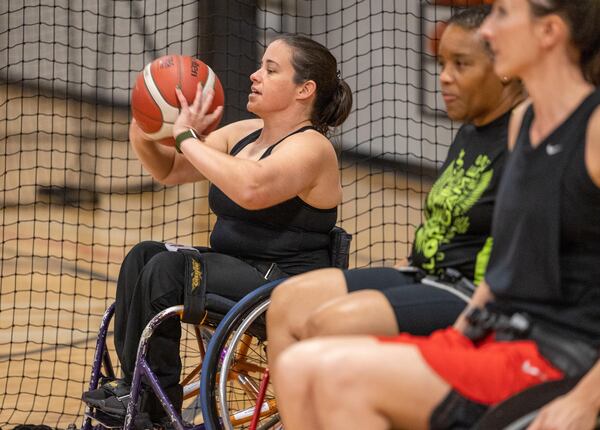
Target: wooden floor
x,y
60,257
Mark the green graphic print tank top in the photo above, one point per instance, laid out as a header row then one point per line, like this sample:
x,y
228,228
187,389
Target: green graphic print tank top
x,y
458,211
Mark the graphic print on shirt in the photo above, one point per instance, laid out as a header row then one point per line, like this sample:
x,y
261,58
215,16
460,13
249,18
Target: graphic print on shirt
x,y
448,202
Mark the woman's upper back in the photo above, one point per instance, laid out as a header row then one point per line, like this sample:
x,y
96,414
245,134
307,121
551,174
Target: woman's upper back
x,y
546,257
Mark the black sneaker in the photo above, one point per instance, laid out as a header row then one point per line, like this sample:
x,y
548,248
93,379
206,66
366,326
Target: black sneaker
x,y
111,398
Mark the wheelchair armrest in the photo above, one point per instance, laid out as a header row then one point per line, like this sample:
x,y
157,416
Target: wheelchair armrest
x,y
339,247
520,408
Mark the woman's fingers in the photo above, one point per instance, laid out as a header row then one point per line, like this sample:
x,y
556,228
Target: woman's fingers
x,y
198,102
182,100
214,115
207,101
195,115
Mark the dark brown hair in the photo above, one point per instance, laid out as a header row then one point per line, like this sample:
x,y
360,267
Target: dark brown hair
x,y
313,61
583,19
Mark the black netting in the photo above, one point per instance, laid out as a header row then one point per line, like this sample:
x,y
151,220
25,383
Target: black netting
x,y
75,199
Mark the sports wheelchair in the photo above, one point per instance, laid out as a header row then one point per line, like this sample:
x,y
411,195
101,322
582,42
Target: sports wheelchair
x,y
251,359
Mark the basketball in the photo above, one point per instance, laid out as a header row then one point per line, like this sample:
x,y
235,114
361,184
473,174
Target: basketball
x,y
154,103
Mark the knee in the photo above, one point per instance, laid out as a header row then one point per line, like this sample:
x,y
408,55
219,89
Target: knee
x,y
296,367
337,375
295,298
329,319
282,299
285,298
144,251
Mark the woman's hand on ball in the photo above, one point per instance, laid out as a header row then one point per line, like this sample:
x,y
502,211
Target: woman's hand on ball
x,y
195,115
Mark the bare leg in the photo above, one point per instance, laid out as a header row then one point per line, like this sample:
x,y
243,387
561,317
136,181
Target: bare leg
x,y
361,312
356,383
291,304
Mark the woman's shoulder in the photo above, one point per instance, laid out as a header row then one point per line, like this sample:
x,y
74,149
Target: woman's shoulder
x,y
244,127
516,119
311,143
238,130
592,157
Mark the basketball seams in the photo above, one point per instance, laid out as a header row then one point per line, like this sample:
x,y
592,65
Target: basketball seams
x,y
179,71
144,72
210,81
155,85
169,113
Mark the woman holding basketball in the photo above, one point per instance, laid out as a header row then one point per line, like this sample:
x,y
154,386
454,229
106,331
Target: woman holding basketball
x,y
275,187
536,316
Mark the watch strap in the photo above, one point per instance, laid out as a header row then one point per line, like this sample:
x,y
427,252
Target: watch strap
x,y
188,134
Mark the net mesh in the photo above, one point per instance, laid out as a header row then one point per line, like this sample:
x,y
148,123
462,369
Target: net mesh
x,y
75,199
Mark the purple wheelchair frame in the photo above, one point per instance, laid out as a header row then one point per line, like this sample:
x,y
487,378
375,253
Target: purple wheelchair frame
x,y
142,368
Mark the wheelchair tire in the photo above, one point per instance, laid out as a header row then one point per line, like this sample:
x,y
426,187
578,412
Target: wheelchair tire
x,y
242,321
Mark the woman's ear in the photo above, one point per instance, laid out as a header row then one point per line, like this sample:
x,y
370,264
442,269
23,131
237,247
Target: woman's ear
x,y
552,30
307,89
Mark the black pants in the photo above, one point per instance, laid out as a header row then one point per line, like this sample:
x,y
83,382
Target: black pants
x,y
420,309
151,279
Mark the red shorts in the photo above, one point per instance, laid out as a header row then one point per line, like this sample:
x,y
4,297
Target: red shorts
x,y
488,372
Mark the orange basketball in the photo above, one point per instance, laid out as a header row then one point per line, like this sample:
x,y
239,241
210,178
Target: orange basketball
x,y
154,103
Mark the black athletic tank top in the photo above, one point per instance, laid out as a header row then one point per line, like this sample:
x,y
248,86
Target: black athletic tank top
x,y
458,210
293,233
546,256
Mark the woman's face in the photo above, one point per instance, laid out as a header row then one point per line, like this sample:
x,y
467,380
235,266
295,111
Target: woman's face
x,y
510,31
273,86
470,88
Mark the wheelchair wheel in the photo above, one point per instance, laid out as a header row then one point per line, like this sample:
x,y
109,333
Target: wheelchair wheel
x,y
234,366
194,341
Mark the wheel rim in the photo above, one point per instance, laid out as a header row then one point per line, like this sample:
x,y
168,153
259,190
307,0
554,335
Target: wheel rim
x,y
226,368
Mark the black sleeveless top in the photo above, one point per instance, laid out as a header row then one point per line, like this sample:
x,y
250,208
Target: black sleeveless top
x,y
546,256
458,210
293,233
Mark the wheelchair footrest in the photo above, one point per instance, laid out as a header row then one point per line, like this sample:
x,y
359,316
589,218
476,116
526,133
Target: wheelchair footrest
x,y
105,420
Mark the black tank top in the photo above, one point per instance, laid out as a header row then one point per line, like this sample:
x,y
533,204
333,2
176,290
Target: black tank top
x,y
458,210
546,256
293,233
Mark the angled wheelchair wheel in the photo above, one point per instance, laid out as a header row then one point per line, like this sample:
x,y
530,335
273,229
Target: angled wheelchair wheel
x,y
194,342
235,366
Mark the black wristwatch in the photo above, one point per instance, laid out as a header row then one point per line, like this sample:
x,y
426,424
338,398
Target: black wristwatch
x,y
189,133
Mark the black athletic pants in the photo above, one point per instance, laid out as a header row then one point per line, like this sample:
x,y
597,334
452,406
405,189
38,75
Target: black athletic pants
x,y
151,279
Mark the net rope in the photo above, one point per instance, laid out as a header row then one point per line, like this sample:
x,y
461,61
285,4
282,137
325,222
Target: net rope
x,y
75,199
